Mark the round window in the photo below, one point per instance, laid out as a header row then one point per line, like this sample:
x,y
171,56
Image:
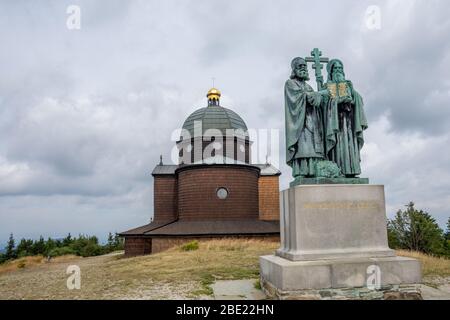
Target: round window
x,y
222,193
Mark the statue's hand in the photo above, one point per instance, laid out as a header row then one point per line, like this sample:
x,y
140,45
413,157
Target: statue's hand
x,y
324,93
346,99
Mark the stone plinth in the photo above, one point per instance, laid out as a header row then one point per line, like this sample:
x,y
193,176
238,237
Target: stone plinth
x,y
333,221
334,237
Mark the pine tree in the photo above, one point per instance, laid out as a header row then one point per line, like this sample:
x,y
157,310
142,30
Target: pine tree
x,y
67,241
447,233
416,230
24,248
10,248
118,242
39,246
110,244
50,244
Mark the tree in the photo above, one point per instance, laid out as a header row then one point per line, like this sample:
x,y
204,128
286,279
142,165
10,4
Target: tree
x,y
38,246
416,230
118,242
67,241
50,244
10,248
110,243
447,233
24,248
447,238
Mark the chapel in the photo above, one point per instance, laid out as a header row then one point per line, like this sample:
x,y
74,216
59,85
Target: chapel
x,y
214,191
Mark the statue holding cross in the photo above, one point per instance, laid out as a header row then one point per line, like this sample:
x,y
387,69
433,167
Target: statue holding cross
x,y
317,66
304,122
324,128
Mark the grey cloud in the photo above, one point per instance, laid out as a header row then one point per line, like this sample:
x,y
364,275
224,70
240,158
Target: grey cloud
x,y
84,115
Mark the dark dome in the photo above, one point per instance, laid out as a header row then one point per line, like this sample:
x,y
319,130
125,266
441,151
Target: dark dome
x,y
215,117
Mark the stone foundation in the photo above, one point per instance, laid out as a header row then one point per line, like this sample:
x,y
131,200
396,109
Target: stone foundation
x,y
386,292
340,278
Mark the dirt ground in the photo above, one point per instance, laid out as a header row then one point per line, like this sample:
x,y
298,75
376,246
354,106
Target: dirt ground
x,y
98,281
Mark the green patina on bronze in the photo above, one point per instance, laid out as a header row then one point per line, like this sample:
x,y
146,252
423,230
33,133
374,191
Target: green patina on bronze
x,y
324,128
319,180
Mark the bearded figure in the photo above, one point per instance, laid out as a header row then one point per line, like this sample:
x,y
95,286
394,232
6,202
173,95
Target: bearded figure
x,y
304,122
345,121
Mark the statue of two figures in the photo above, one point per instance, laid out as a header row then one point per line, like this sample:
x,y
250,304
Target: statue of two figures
x,y
324,128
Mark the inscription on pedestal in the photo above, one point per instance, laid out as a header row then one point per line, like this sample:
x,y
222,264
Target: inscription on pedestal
x,y
342,205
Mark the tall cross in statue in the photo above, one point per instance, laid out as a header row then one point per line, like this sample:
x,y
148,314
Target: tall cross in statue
x,y
317,66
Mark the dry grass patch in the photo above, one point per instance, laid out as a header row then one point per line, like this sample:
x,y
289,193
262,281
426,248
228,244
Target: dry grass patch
x,y
214,259
20,263
33,261
215,255
431,266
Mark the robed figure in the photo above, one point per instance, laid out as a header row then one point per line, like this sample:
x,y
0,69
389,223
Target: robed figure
x,y
304,122
345,121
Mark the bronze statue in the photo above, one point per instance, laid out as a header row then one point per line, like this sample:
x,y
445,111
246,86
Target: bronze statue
x,y
304,122
324,129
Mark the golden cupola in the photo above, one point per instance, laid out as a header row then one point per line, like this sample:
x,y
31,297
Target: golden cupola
x,y
213,96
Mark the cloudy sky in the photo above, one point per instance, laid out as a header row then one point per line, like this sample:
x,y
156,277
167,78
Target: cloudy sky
x,y
85,114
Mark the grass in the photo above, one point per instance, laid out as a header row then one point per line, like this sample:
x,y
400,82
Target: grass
x,y
190,246
172,274
28,262
214,259
431,266
257,285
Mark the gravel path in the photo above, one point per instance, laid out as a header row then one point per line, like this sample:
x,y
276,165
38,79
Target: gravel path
x,y
436,288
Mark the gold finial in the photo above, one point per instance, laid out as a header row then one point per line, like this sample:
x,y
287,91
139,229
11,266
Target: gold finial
x,y
213,96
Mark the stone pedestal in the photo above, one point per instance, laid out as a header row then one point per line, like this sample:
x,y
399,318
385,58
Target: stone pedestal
x,y
334,241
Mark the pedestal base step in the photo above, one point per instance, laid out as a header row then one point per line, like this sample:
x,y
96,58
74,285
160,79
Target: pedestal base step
x,y
388,292
356,278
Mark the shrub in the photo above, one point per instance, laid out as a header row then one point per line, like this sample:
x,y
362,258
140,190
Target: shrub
x,y
56,252
190,246
91,249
